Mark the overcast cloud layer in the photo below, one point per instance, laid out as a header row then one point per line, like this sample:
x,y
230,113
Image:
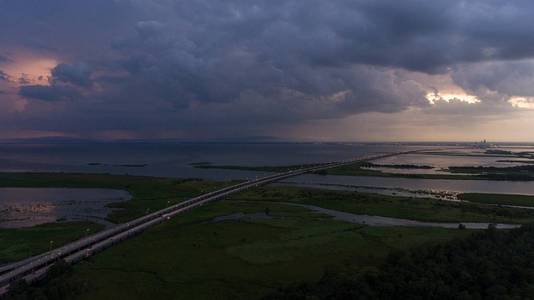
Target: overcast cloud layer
x,y
208,68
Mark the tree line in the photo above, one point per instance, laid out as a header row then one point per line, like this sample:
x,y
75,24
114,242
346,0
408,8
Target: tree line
x,y
487,265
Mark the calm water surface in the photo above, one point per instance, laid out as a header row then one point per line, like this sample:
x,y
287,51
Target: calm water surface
x,y
442,162
174,159
23,207
431,185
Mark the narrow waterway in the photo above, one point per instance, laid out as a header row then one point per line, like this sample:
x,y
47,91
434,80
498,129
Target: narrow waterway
x,y
386,221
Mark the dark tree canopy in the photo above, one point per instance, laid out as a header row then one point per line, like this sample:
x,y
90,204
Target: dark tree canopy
x,y
488,265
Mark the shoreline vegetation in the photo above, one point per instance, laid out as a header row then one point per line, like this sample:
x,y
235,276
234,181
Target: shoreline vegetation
x,y
516,173
117,165
274,169
21,243
487,153
498,199
398,166
517,161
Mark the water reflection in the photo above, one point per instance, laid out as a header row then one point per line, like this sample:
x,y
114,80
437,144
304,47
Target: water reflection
x,y
440,163
427,185
399,192
174,159
23,207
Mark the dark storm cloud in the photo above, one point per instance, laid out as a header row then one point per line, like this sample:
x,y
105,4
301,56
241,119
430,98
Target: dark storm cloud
x,y
218,52
49,93
3,76
502,79
67,27
65,83
224,63
78,73
4,59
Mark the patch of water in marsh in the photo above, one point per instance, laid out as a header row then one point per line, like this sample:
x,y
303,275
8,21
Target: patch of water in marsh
x,y
24,207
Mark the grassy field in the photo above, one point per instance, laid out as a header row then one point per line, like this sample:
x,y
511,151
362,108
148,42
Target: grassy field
x,y
192,258
24,242
502,199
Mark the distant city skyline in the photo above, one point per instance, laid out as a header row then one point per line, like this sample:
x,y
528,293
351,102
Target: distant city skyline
x,y
297,70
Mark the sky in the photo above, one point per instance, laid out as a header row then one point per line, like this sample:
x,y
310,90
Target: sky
x,y
337,70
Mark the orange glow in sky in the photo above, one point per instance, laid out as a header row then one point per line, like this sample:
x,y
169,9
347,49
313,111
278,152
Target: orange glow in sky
x,y
34,70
